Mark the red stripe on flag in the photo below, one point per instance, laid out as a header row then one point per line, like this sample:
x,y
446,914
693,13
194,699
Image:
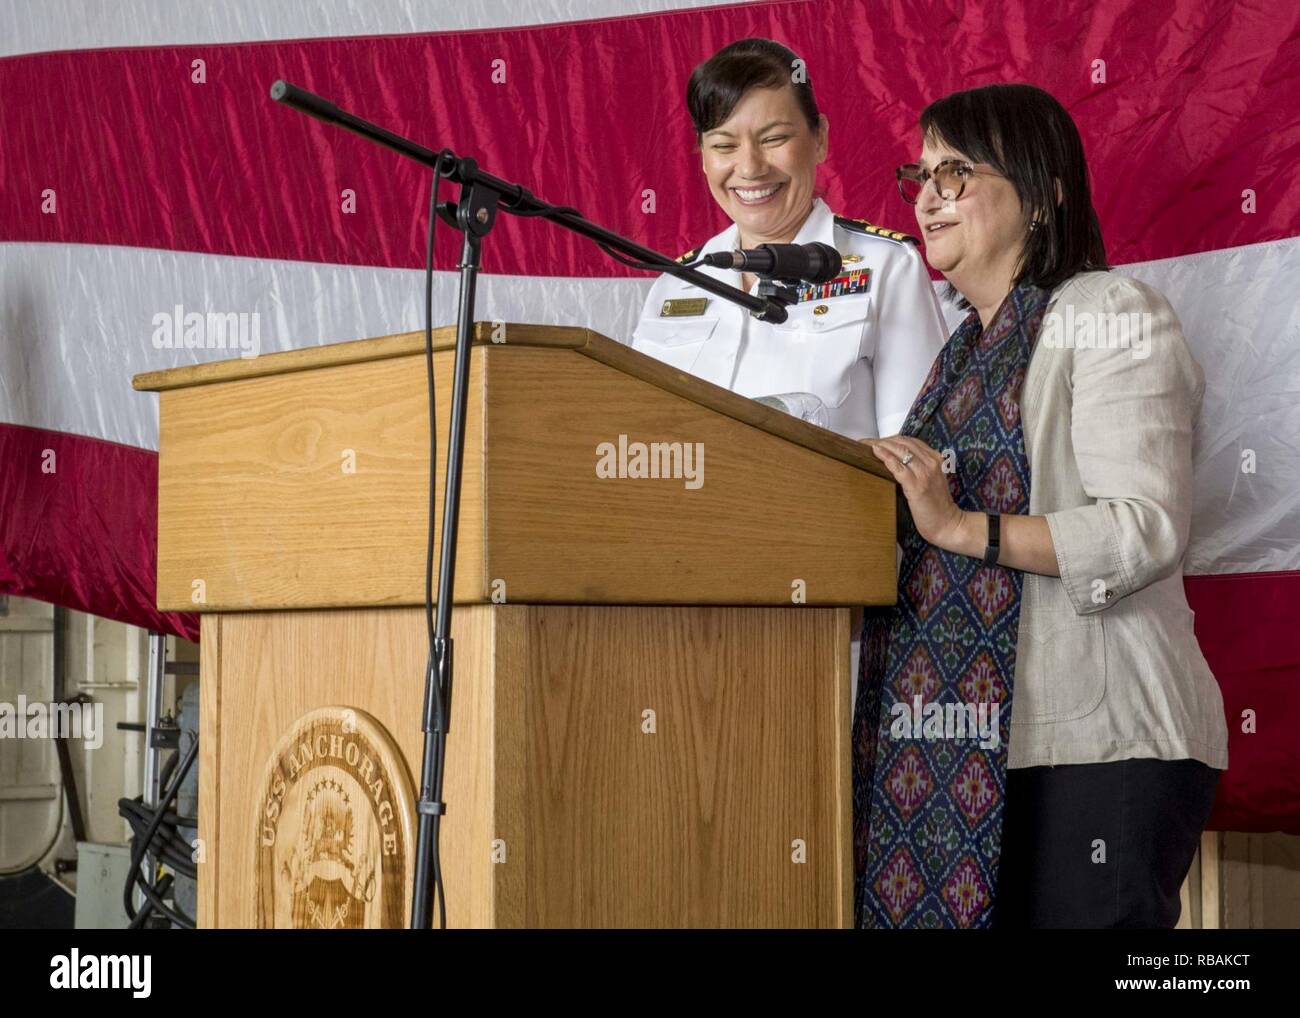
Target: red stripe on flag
x,y
1193,112
85,536
1246,626
79,527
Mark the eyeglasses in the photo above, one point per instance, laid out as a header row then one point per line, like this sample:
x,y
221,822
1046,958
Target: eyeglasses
x,y
949,177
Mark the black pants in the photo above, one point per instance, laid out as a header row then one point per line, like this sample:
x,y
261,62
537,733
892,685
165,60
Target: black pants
x,y
1100,846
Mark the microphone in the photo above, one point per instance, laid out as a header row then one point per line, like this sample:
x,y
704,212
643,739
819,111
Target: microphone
x,y
812,263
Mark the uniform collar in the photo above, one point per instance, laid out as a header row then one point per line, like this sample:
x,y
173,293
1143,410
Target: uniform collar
x,y
819,226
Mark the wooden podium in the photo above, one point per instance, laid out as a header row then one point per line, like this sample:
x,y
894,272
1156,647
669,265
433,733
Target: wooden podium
x,y
650,719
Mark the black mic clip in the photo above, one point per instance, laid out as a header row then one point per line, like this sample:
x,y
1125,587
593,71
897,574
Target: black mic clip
x,y
447,213
782,292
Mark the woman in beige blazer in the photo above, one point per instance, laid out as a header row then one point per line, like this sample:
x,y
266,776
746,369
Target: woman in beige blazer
x,y
1117,733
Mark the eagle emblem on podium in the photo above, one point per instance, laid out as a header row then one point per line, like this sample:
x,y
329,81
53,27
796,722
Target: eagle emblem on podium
x,y
335,827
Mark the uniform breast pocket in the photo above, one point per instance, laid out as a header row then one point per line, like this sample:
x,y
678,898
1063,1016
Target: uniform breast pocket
x,y
1061,666
676,341
824,348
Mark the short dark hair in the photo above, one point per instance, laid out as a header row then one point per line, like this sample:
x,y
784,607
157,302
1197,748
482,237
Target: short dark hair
x,y
1030,139
717,85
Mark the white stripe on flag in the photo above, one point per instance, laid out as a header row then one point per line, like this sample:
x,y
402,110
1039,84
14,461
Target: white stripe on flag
x,y
76,322
76,24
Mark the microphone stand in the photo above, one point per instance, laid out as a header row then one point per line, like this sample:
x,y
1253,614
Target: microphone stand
x,y
481,196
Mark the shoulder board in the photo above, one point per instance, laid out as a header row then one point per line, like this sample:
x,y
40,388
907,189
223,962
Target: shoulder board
x,y
688,256
862,226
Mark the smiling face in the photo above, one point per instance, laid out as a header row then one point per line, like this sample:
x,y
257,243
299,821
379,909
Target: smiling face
x,y
761,164
976,240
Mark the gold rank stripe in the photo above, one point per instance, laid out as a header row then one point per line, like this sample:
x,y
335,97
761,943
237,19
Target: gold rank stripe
x,y
865,226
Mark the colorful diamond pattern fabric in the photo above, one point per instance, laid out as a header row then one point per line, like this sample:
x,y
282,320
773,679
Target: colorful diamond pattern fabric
x,y
929,777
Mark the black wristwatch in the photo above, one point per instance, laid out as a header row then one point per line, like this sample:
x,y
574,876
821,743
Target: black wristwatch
x,y
994,546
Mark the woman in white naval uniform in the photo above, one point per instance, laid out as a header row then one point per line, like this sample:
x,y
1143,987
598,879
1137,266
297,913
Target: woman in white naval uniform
x,y
852,362
861,347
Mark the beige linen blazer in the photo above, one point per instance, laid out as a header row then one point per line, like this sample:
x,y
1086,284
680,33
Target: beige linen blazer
x,y
1107,665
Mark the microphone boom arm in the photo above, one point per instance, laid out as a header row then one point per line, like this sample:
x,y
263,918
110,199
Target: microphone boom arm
x,y
517,199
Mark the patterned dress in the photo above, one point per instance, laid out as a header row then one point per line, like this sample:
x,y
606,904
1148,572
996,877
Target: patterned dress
x,y
933,712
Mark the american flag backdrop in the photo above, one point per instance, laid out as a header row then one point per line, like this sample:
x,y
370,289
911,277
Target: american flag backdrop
x,y
146,179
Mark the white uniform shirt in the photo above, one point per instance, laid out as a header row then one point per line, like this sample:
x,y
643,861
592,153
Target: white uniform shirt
x,y
864,355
